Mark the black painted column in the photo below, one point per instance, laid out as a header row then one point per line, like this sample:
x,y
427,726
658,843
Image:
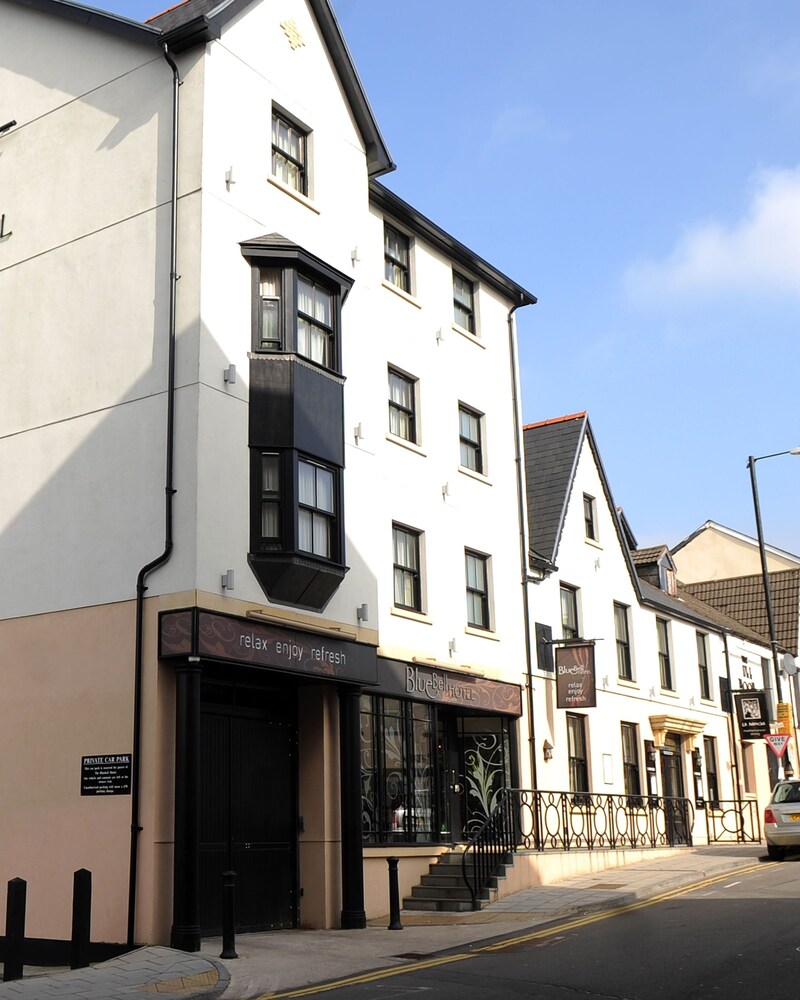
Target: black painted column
x,y
353,915
186,877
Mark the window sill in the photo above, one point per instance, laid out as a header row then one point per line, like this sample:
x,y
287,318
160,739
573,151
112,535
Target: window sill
x,y
669,693
405,296
709,702
412,616
479,476
408,445
473,338
293,193
481,633
634,685
594,543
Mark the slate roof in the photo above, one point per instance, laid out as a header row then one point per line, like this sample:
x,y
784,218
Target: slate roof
x,y
686,605
742,597
552,449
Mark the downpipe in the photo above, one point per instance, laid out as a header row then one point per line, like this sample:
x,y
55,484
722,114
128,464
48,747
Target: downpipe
x,y
169,492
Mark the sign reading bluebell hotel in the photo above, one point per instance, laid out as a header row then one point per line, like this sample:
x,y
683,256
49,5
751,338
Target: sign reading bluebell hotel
x,y
575,682
106,774
421,682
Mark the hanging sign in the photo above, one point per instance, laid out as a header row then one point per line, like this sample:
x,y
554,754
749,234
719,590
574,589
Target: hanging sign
x,y
778,743
575,681
752,713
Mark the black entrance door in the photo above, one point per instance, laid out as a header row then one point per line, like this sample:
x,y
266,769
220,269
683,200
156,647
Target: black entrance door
x,y
248,821
676,806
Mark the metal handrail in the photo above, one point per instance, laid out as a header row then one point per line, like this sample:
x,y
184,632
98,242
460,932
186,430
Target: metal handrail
x,y
733,821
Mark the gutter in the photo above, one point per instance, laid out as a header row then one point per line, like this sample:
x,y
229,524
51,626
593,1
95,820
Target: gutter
x,y
169,491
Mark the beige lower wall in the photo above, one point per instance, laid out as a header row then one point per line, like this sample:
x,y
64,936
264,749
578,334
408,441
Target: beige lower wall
x,y
70,695
413,864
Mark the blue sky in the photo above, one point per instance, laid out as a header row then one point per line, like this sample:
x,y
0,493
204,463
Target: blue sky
x,y
635,164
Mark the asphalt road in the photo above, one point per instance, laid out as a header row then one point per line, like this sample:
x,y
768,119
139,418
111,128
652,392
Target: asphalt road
x,y
734,939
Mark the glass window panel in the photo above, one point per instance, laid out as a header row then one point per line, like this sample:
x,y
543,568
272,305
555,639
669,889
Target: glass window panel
x,y
270,519
306,483
321,536
324,490
269,282
400,424
305,531
270,473
401,391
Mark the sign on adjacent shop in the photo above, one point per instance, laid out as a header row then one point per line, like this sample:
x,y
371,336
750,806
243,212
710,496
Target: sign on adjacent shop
x,y
785,718
448,687
106,774
575,681
752,713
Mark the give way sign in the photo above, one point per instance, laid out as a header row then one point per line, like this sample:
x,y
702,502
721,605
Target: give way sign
x,y
778,742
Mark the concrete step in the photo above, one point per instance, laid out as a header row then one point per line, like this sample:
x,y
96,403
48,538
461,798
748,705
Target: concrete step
x,y
440,905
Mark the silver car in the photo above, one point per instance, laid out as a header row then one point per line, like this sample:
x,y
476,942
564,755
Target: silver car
x,y
782,819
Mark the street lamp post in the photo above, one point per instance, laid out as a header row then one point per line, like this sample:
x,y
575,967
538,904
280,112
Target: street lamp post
x,y
773,641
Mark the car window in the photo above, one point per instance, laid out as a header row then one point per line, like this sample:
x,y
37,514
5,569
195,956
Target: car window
x,y
787,793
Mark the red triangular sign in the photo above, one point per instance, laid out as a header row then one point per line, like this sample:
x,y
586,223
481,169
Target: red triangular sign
x,y
778,742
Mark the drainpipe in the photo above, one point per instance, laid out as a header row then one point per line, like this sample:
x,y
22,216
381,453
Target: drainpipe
x,y
523,542
169,491
732,725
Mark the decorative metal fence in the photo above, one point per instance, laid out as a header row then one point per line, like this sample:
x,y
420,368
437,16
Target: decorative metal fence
x,y
733,822
525,819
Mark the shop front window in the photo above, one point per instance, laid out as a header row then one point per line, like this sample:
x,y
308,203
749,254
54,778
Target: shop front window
x,y
397,771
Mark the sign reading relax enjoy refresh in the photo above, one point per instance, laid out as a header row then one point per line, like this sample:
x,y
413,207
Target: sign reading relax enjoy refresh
x,y
575,681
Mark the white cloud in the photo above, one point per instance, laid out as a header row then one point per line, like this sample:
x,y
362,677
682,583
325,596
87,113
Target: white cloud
x,y
757,256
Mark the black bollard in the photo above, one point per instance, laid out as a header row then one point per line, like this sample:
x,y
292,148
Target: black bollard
x,y
228,915
15,929
394,896
81,919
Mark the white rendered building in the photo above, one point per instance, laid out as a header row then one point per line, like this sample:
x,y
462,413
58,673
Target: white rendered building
x,y
657,723
260,441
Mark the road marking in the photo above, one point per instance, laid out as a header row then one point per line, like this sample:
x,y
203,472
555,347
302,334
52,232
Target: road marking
x,y
545,932
730,885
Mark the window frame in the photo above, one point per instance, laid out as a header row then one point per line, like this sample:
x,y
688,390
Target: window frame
x,y
712,770
300,164
318,515
273,498
476,593
577,754
407,572
292,269
396,407
704,673
568,630
590,517
473,445
664,655
394,265
289,505
623,641
631,760
467,309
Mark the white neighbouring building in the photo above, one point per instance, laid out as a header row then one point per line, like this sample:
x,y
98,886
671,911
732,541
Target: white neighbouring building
x,y
260,520
665,663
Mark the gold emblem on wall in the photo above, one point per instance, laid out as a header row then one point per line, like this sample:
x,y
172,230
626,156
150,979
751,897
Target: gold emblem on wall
x,y
292,32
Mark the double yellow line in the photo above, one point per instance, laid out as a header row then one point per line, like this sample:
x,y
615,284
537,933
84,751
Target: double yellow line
x,y
545,932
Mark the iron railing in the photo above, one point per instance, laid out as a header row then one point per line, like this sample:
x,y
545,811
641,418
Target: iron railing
x,y
733,822
523,819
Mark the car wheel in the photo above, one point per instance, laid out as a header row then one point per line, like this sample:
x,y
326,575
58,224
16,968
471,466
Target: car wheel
x,y
775,853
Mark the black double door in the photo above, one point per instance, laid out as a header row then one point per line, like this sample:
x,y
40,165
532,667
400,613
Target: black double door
x,y
248,808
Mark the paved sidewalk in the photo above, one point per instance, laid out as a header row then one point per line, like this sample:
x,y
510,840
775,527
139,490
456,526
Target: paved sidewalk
x,y
282,960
